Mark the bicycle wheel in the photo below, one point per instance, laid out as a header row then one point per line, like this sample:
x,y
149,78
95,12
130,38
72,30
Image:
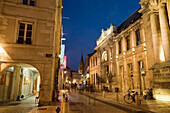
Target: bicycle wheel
x,y
128,98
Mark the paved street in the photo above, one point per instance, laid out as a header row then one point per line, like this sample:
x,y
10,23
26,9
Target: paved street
x,y
82,104
78,104
23,106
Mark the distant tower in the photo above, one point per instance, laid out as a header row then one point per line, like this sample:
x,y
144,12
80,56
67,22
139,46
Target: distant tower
x,y
81,66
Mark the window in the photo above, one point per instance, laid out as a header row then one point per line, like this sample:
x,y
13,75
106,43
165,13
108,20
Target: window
x,y
25,33
120,48
93,62
104,56
29,2
96,60
128,42
138,39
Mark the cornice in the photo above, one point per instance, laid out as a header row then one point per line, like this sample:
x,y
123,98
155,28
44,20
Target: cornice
x,y
28,7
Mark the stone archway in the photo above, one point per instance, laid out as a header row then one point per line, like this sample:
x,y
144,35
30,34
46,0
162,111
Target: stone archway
x,y
18,81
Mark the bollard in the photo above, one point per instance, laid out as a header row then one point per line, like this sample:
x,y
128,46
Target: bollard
x,y
137,99
89,100
104,94
62,101
117,97
65,107
94,101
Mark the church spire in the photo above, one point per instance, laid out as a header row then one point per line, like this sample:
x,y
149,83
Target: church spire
x,y
81,65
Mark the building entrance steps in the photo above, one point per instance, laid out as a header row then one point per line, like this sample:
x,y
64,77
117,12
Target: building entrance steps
x,y
145,106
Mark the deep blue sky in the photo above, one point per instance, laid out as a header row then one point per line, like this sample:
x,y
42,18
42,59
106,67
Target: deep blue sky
x,y
87,18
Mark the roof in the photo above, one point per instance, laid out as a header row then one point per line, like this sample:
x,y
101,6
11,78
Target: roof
x,y
130,20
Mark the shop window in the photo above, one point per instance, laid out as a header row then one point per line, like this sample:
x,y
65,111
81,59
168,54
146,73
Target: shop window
x,y
138,38
29,2
120,48
25,33
128,42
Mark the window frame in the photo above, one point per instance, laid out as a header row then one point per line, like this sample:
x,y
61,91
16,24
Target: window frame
x,y
29,2
138,37
25,32
128,44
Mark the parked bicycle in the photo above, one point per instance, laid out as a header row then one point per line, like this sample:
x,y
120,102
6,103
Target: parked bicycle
x,y
130,97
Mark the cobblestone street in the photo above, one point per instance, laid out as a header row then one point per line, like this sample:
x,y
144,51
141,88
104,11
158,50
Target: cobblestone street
x,y
78,104
23,106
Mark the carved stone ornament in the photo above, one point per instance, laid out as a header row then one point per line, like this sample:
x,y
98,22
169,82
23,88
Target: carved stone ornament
x,y
144,3
153,4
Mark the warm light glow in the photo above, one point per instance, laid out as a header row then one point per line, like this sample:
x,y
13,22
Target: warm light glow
x,y
144,44
133,49
163,97
162,56
74,81
2,51
124,53
116,56
60,56
38,83
88,76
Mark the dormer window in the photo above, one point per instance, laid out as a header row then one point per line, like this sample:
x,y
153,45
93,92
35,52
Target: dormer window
x,y
29,2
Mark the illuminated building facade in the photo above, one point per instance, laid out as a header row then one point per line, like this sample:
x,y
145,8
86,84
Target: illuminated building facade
x,y
30,33
136,54
93,67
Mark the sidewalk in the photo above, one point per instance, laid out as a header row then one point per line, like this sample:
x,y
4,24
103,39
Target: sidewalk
x,y
146,105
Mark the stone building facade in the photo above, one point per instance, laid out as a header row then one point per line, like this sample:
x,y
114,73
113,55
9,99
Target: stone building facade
x,y
136,53
30,33
93,67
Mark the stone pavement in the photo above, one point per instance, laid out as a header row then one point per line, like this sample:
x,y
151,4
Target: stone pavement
x,y
84,104
146,105
23,106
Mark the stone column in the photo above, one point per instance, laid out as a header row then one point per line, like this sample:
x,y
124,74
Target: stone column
x,y
17,82
117,48
164,31
124,44
133,41
155,35
20,84
136,73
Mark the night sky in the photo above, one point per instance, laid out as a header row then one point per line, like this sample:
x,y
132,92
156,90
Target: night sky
x,y
86,19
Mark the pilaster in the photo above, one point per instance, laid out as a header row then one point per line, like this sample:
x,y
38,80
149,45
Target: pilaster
x,y
17,82
164,31
155,35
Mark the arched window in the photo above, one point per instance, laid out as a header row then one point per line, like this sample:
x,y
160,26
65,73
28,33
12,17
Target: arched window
x,y
104,56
